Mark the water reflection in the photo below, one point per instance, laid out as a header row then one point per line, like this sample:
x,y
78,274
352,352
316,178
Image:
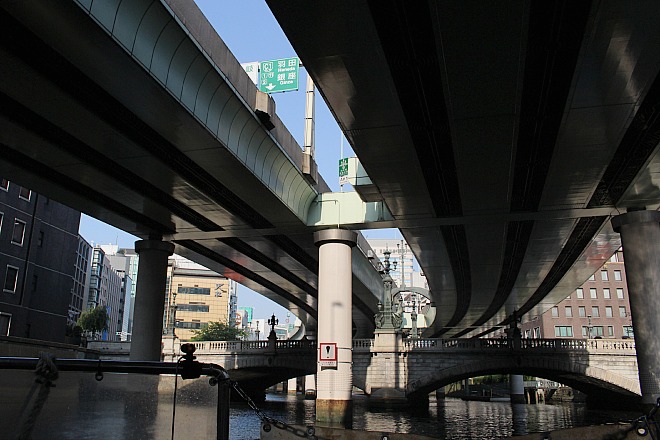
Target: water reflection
x,y
125,407
451,419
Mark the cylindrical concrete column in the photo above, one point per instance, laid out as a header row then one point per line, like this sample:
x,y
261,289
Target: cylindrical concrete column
x,y
150,299
640,237
517,388
335,384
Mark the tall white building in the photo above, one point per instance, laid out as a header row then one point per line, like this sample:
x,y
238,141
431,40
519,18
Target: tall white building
x,y
125,263
106,288
400,254
402,271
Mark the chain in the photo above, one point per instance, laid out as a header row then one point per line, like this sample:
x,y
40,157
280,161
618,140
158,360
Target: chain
x,y
308,433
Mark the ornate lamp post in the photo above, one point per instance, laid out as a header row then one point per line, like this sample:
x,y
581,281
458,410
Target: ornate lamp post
x,y
272,322
386,319
413,318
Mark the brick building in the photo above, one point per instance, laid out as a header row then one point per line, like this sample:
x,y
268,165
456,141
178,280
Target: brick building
x,y
597,309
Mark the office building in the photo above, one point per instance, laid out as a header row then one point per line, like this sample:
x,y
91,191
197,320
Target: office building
x,y
597,309
38,244
106,288
195,296
81,279
125,262
401,258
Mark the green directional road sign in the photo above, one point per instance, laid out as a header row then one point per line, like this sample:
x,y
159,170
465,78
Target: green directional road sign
x,y
343,170
279,75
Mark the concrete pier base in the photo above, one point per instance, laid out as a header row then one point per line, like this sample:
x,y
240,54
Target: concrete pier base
x,y
517,388
310,386
388,398
334,413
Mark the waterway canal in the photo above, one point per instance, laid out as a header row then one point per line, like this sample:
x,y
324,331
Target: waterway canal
x,y
450,418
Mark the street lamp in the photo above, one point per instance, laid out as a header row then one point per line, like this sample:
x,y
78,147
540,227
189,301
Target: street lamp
x,y
387,320
402,252
257,332
272,322
589,328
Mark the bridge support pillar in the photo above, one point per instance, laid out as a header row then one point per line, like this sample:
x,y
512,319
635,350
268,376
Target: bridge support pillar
x,y
150,299
640,236
517,388
292,386
334,384
310,386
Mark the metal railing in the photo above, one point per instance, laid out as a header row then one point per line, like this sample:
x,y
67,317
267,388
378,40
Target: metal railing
x,y
48,368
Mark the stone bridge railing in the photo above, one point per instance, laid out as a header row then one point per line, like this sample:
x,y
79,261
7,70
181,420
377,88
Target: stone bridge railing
x,y
252,347
622,346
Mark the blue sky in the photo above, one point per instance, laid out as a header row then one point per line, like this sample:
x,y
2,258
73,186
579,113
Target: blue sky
x,y
252,34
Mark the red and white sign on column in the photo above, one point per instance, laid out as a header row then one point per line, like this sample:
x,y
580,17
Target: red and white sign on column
x,y
328,354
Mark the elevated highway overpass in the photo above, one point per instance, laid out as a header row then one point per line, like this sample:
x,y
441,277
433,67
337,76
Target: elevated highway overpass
x,y
137,114
502,139
502,136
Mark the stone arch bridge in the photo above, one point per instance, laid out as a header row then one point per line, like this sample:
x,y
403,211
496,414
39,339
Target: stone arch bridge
x,y
415,367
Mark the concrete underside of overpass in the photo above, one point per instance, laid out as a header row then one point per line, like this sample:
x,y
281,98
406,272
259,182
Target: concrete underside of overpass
x,y
501,136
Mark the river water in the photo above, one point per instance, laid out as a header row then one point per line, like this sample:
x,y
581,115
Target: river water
x,y
449,418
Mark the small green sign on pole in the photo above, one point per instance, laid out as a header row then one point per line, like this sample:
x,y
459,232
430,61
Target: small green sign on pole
x,y
279,75
343,171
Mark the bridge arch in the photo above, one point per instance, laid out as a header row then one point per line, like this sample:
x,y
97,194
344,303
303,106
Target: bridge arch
x,y
589,379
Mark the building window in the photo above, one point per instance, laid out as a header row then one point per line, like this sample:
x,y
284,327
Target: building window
x,y
603,275
580,293
592,277
555,312
40,239
188,325
569,311
597,330
610,331
563,331
24,194
192,308
1,217
19,232
622,311
4,185
5,323
606,294
593,294
11,278
619,293
617,275
628,331
582,312
537,332
585,331
527,333
194,290
608,311
594,312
